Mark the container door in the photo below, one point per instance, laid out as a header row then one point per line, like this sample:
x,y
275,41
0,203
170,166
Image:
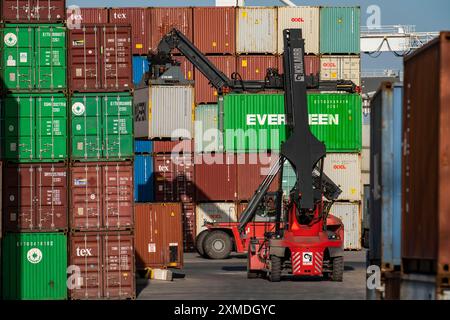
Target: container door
x,y
164,178
17,10
184,170
143,178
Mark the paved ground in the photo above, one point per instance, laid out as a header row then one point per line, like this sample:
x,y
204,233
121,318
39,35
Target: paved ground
x,y
226,279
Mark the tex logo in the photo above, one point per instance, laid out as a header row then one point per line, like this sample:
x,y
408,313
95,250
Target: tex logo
x,y
34,255
10,39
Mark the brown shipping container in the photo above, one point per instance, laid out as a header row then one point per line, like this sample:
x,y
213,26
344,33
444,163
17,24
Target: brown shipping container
x,y
425,165
35,197
80,16
187,68
215,30
251,170
165,19
107,265
100,58
216,177
33,11
174,177
158,235
139,18
204,93
312,65
189,227
176,146
101,196
255,67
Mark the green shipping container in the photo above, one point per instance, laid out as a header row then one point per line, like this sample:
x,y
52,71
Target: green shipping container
x,y
340,30
34,266
34,127
102,126
34,57
335,119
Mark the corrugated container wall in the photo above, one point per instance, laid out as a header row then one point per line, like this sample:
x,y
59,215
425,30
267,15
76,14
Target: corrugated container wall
x,y
341,68
340,30
306,18
216,212
33,11
143,146
256,30
426,172
173,146
187,68
189,226
77,16
140,67
164,112
34,266
159,235
143,178
312,65
215,30
255,67
139,18
206,128
350,214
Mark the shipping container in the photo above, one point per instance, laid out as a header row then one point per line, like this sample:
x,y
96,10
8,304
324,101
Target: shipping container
x,y
101,126
34,266
206,128
340,30
312,65
306,18
350,214
35,197
215,29
187,68
164,19
333,68
101,196
140,67
164,112
256,30
143,178
204,92
77,17
143,147
189,226
173,146
255,67
215,177
106,263
174,178
215,212
35,127
386,177
417,286
34,57
33,11
139,19
425,169
100,58
159,235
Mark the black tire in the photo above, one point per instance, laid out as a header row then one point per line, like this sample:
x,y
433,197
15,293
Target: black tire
x,y
275,266
199,242
217,245
338,269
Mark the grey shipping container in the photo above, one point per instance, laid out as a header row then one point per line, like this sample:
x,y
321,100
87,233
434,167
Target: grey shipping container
x,y
206,128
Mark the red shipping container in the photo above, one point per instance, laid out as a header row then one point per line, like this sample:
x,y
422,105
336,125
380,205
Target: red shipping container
x,y
215,30
255,67
35,197
33,11
187,68
204,93
139,18
100,58
176,146
312,65
101,196
76,17
174,177
106,264
189,226
216,177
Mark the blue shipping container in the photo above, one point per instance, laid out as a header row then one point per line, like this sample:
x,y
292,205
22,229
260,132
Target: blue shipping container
x,y
143,178
140,66
386,177
143,146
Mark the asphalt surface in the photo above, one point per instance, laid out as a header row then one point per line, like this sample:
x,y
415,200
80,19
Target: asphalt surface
x,y
204,279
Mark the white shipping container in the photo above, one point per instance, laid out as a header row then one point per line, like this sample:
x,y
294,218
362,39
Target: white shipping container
x,y
256,30
306,18
416,286
350,214
365,159
164,112
345,170
214,212
341,67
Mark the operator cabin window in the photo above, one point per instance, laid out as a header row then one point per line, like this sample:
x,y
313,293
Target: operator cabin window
x,y
266,211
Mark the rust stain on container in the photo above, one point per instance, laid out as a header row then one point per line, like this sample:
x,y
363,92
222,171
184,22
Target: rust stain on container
x,y
312,65
176,146
107,265
139,18
204,93
159,235
35,197
255,67
80,16
216,177
33,11
100,58
101,196
425,162
215,30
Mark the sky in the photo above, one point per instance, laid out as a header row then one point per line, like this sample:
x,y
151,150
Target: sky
x,y
429,15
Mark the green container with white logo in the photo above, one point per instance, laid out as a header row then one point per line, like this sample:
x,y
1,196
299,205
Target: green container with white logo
x,y
34,266
34,57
